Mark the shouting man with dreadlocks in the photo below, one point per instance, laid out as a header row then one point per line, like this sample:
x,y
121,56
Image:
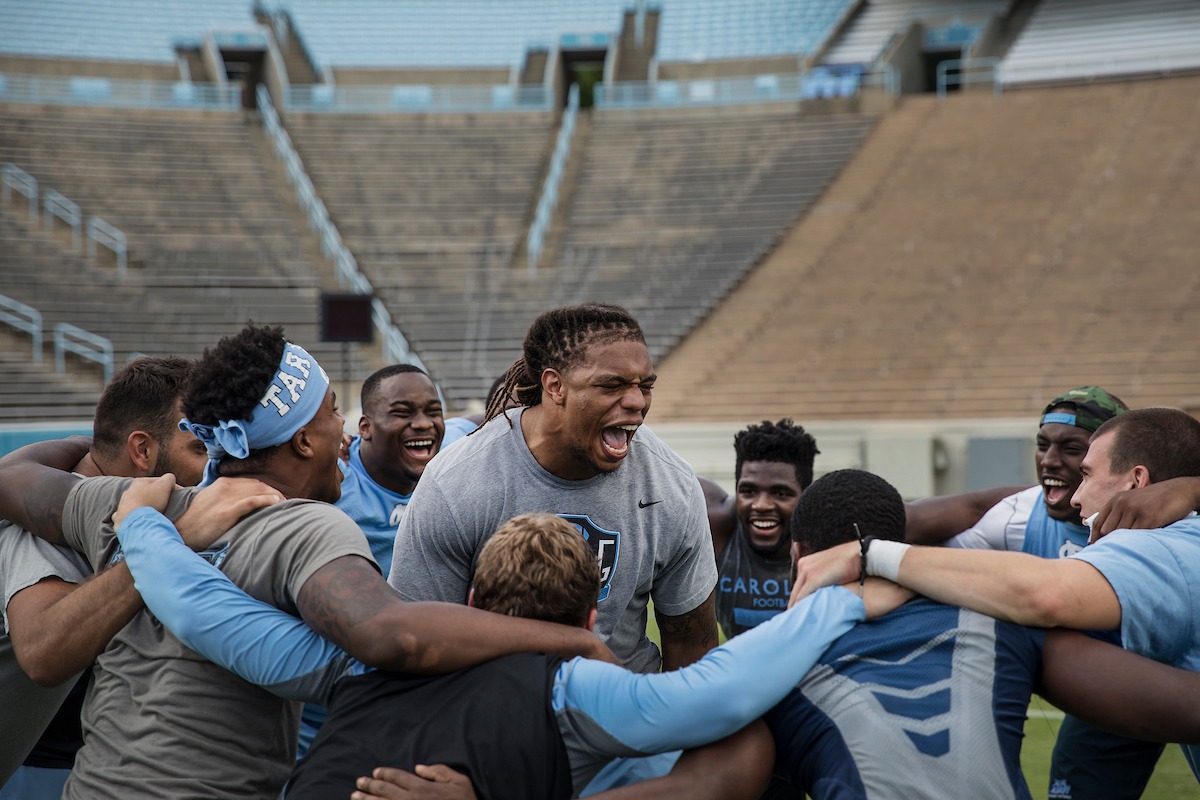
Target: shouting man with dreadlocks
x,y
576,448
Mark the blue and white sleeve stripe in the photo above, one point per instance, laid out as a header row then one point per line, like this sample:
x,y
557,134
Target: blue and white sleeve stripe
x,y
610,711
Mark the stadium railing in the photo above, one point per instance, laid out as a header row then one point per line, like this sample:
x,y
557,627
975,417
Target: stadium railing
x,y
70,339
965,72
59,205
101,233
417,98
395,347
56,204
819,82
15,179
23,318
80,91
1087,70
549,199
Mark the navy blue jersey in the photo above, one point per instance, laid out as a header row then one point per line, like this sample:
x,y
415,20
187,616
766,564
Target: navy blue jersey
x,y
928,701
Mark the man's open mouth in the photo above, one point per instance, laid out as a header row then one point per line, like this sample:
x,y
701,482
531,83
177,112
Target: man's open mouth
x,y
1055,489
420,448
616,439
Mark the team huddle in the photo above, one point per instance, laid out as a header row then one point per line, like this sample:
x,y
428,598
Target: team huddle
x,y
219,595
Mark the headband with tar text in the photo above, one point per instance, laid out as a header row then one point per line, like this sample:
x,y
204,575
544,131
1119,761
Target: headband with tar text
x,y
292,399
1090,407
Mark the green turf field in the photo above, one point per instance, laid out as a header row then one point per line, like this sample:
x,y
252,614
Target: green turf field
x,y
1172,779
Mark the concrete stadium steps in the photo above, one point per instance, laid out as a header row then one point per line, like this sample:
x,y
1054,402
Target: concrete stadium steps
x,y
31,391
401,184
137,318
977,257
669,212
212,240
433,208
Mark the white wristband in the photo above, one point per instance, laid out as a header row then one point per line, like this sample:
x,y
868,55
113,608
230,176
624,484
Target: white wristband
x,y
883,559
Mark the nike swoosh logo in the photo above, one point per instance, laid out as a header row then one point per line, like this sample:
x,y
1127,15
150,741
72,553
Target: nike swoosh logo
x,y
647,505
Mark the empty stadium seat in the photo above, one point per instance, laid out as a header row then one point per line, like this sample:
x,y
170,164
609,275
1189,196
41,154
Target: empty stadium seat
x,y
878,21
128,30
441,33
1068,40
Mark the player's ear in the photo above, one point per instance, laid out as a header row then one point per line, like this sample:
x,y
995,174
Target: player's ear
x,y
590,624
1140,476
553,387
302,443
142,451
364,427
471,597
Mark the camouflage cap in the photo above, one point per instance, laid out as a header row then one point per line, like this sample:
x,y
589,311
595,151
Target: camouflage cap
x,y
1092,407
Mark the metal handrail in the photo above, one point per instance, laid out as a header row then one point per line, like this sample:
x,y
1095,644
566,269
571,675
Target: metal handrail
x,y
549,199
70,339
23,318
100,232
1087,70
90,91
844,81
417,98
395,346
13,178
965,71
56,204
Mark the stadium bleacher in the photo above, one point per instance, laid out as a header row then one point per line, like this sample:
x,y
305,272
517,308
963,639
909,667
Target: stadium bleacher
x,y
1073,40
877,21
665,212
130,30
704,30
211,241
441,33
973,259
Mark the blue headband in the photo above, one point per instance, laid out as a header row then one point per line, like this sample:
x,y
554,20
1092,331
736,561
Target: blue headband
x,y
1064,419
292,399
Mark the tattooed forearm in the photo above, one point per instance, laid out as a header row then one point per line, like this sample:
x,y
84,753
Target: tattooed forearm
x,y
687,637
340,597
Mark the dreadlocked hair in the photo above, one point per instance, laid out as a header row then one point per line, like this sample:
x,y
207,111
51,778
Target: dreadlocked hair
x,y
232,377
558,340
783,441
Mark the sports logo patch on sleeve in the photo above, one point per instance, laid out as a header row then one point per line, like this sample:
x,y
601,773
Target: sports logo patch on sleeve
x,y
605,544
214,555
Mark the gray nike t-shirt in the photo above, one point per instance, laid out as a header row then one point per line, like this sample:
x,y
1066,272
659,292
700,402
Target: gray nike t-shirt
x,y
162,721
646,522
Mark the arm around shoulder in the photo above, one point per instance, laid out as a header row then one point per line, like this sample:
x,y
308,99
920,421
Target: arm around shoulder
x,y
1017,587
34,484
932,520
735,768
1120,691
347,602
59,628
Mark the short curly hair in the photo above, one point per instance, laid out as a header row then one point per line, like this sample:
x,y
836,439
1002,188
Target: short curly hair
x,y
782,441
538,566
827,511
233,376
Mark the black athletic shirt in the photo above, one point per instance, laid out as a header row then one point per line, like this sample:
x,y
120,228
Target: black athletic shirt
x,y
493,722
